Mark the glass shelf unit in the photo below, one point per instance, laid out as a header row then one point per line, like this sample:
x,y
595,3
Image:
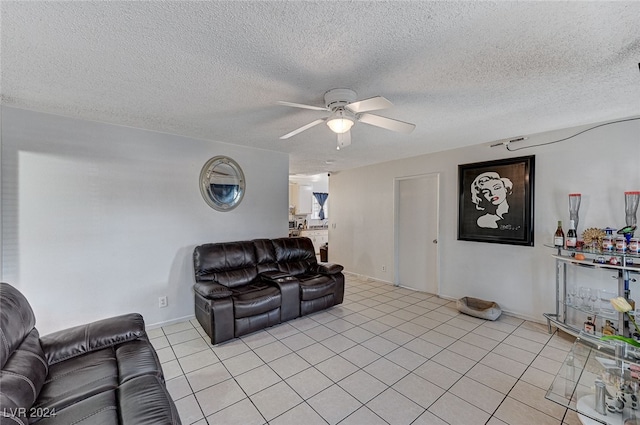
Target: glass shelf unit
x,y
628,266
616,365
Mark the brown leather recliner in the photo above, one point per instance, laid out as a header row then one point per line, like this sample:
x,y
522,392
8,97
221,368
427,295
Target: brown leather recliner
x,y
105,372
241,287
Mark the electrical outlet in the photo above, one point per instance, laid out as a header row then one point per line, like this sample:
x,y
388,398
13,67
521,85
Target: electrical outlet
x,y
163,301
384,268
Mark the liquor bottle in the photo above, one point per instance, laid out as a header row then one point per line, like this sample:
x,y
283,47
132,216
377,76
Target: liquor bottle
x,y
608,328
589,326
572,238
558,237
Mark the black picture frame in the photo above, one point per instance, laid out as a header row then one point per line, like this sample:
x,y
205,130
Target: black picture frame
x,y
496,201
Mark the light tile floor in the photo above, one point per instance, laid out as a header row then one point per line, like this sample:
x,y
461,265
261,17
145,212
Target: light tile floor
x,y
387,355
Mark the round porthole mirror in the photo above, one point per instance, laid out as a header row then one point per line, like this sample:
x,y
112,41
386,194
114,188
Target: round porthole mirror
x,y
222,183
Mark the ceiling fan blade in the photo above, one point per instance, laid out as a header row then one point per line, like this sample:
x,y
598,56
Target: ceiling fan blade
x,y
344,139
388,123
300,105
303,128
371,104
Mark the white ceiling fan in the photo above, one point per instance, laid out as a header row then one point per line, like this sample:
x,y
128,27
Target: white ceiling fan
x,y
345,111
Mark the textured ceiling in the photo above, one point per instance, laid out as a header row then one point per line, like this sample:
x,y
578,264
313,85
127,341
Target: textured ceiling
x,y
464,72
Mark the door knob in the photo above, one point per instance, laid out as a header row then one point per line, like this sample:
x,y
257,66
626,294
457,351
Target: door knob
x,y
435,241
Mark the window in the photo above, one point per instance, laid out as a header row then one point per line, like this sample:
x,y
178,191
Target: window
x,y
315,209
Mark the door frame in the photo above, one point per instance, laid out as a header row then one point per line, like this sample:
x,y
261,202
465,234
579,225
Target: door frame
x,y
396,225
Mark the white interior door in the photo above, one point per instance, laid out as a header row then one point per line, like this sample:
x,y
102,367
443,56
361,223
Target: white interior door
x,y
416,252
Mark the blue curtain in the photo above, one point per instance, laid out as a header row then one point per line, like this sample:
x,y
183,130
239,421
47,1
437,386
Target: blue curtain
x,y
321,198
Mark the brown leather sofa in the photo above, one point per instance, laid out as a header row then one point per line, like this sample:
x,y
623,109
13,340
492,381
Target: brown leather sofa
x,y
241,287
105,372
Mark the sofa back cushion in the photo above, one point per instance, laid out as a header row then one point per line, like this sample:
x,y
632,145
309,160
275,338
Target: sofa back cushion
x,y
295,255
265,255
24,368
228,263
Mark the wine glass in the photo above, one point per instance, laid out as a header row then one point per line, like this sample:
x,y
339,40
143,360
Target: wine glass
x,y
593,297
605,297
583,294
573,292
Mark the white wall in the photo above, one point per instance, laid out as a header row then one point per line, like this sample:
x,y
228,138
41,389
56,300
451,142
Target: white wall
x,y
601,164
99,220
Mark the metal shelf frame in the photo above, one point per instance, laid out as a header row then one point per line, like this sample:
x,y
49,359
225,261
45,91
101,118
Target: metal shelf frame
x,y
628,265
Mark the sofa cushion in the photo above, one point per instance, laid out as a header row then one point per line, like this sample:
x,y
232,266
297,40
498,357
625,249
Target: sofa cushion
x,y
100,409
265,255
256,301
231,264
141,400
295,255
79,378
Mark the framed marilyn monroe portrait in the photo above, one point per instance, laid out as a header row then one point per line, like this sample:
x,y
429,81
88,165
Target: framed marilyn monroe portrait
x,y
496,201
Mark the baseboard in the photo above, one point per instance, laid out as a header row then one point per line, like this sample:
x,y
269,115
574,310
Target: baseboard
x,y
365,278
540,320
169,322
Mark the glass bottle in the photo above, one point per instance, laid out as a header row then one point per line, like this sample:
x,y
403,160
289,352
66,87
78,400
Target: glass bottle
x,y
558,237
608,240
589,326
608,328
572,237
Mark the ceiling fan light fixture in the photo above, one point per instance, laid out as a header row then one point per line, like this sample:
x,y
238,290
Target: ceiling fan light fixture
x,y
340,121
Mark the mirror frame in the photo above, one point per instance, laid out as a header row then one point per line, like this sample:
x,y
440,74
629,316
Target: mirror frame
x,y
205,183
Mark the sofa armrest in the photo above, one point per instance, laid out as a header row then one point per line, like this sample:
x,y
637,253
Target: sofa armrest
x,y
212,290
289,287
329,268
72,342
